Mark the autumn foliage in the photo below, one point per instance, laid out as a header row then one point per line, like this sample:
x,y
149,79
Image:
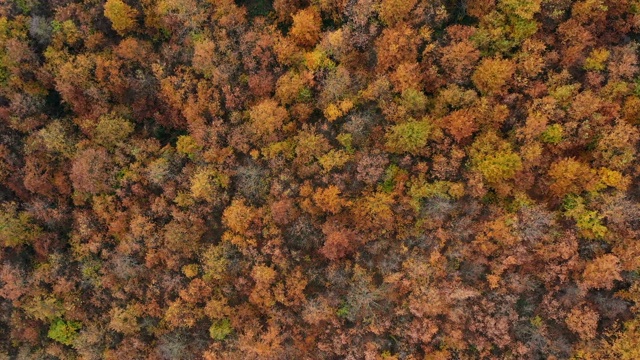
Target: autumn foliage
x,y
330,179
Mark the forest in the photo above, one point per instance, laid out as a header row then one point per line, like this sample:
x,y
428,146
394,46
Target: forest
x,y
319,179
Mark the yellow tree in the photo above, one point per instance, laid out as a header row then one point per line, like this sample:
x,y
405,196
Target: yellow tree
x,y
492,75
262,294
572,176
394,11
329,200
494,158
306,27
121,15
267,118
240,221
111,130
16,227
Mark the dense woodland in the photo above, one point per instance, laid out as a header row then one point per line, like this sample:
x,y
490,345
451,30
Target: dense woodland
x,y
319,179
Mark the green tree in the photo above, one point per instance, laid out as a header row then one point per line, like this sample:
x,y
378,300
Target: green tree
x,y
552,134
63,331
219,330
409,137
